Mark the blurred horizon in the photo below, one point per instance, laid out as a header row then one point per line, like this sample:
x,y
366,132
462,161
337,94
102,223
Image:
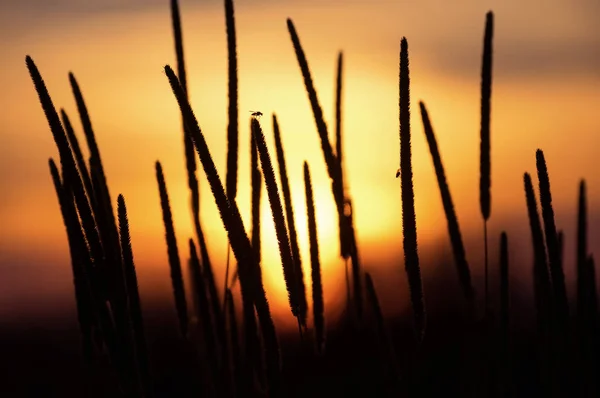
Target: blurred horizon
x,y
545,91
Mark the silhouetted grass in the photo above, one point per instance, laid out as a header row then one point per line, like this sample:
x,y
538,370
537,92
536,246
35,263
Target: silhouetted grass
x,y
354,261
291,225
109,231
339,153
333,165
70,173
236,352
462,266
552,244
106,225
283,240
484,161
587,302
252,289
338,121
542,287
232,111
109,308
104,283
256,190
409,224
135,309
193,185
81,165
560,302
582,256
174,262
78,255
205,317
315,263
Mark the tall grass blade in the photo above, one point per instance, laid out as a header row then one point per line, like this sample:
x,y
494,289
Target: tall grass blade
x,y
542,286
560,302
236,352
71,178
409,225
342,226
81,164
582,255
285,252
205,317
587,307
256,191
135,308
484,160
552,243
106,222
291,224
114,271
354,260
111,233
486,94
77,249
174,262
249,271
232,109
193,184
317,285
333,165
462,266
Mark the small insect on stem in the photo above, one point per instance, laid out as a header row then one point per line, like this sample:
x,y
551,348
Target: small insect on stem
x,y
256,114
398,173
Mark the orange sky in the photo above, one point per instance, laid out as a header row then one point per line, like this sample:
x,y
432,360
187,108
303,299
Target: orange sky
x,y
546,92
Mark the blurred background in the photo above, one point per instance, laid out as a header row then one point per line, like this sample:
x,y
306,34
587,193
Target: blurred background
x,y
546,92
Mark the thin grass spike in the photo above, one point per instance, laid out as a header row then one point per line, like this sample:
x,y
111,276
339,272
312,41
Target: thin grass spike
x,y
251,284
409,226
542,285
193,185
68,163
203,311
278,218
232,110
291,224
135,309
484,153
552,244
330,159
256,191
174,262
486,94
85,314
582,255
317,285
462,266
74,143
